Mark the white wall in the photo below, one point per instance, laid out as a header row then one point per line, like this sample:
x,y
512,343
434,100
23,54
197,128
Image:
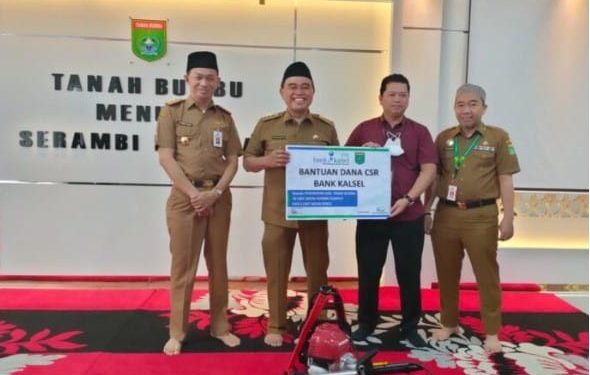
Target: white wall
x,y
62,229
532,57
439,45
114,224
116,230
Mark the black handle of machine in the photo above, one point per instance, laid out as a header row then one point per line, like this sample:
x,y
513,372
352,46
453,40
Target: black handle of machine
x,y
395,368
365,360
365,367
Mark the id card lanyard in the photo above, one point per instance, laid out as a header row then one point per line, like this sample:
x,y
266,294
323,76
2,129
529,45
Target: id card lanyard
x,y
459,159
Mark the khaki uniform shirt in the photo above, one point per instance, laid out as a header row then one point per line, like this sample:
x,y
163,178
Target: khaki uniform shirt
x,y
477,178
183,127
275,132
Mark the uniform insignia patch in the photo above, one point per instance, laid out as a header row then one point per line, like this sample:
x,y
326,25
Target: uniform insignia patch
x,y
163,114
485,148
511,149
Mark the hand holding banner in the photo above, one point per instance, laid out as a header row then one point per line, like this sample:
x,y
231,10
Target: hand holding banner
x,y
334,182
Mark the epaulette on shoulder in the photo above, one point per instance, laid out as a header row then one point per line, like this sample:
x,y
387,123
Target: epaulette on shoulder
x,y
271,116
222,109
450,129
494,127
323,119
174,101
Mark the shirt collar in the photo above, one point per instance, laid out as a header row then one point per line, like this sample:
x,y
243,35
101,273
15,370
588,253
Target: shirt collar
x,y
480,129
191,102
397,126
288,118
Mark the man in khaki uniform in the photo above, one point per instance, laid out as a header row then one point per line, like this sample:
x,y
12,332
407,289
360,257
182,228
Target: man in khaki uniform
x,y
198,147
266,151
476,164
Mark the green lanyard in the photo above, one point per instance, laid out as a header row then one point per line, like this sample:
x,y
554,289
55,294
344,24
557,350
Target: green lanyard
x,y
460,159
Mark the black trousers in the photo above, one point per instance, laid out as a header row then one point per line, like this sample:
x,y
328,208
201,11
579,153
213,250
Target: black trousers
x,y
372,241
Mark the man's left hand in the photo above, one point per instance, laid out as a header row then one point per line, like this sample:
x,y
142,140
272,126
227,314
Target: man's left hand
x,y
205,200
398,207
506,229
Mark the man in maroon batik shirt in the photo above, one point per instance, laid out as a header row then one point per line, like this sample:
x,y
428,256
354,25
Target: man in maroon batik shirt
x,y
413,165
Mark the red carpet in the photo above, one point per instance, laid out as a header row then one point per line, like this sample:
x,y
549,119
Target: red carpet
x,y
157,299
121,332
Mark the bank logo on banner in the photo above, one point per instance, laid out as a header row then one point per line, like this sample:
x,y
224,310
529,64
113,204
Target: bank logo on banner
x,y
148,39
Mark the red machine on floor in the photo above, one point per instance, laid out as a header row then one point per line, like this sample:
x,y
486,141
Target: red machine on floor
x,y
325,347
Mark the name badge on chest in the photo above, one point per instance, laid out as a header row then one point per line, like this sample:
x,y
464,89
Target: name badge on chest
x,y
217,138
452,193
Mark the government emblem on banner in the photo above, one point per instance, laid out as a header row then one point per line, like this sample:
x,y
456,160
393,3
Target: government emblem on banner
x,y
359,158
148,39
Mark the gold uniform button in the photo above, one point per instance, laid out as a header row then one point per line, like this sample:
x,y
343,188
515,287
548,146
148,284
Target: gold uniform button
x,y
184,141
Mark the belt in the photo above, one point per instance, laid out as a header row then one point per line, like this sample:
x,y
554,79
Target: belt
x,y
206,183
469,204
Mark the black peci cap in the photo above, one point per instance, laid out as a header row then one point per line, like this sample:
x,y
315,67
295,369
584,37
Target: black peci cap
x,y
202,59
296,69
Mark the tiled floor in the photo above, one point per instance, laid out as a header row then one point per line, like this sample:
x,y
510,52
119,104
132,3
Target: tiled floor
x,y
577,299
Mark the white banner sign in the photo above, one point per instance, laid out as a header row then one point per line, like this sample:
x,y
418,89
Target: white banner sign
x,y
334,182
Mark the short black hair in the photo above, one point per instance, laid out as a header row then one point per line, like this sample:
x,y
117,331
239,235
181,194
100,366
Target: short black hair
x,y
396,77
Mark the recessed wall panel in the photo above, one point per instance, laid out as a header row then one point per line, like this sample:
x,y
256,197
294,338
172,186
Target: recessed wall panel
x,y
343,25
244,22
532,58
347,86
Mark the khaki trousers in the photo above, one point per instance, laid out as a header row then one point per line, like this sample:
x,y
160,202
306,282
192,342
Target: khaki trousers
x,y
475,231
187,234
277,248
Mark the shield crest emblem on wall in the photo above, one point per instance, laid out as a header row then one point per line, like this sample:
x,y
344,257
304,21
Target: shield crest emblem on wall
x,y
148,39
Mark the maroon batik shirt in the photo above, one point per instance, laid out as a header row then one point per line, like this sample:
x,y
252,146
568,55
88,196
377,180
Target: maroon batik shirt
x,y
418,147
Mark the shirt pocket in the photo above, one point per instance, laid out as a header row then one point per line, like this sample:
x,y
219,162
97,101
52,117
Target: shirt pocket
x,y
184,129
447,159
212,142
483,157
320,140
274,144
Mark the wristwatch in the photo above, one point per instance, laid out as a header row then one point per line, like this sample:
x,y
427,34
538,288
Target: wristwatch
x,y
409,199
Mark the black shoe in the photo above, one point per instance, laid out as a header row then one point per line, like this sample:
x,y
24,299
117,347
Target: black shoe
x,y
361,333
414,338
